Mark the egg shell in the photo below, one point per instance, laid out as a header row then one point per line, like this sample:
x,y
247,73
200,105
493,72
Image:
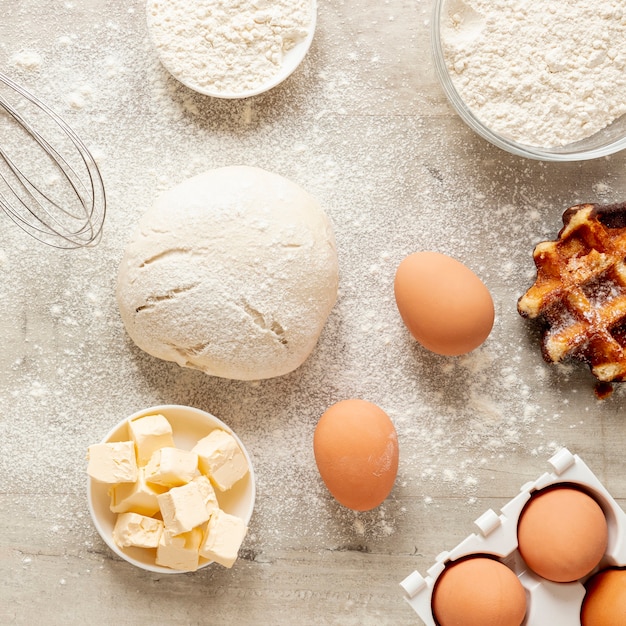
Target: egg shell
x,y
605,601
356,451
478,591
445,306
562,534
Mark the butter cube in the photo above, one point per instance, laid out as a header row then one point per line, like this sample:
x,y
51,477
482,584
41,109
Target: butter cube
x,y
132,529
179,551
138,497
221,459
183,508
172,467
208,493
112,462
150,433
223,538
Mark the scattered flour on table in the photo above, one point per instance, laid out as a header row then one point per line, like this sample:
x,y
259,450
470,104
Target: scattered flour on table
x,y
539,72
27,60
459,420
229,46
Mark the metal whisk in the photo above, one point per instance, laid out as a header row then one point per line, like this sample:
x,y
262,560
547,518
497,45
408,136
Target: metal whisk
x,y
67,209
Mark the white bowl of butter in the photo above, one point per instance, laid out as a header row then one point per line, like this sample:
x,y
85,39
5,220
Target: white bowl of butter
x,y
171,489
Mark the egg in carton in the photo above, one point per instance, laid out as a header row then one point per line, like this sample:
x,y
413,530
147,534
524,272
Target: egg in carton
x,y
547,601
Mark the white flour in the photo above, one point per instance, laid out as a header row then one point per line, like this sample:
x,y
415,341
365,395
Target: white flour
x,y
366,154
226,46
27,60
540,72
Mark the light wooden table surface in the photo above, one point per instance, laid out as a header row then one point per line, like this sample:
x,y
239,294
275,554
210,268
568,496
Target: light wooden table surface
x,y
364,126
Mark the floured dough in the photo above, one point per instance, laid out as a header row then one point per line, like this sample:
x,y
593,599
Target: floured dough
x,y
233,272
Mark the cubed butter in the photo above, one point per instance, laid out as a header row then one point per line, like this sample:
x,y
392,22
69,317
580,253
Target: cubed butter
x,y
138,497
172,467
179,551
141,531
150,433
221,459
208,493
223,537
112,462
183,508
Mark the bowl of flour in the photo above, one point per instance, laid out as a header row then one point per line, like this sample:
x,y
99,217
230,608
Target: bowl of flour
x,y
231,48
540,79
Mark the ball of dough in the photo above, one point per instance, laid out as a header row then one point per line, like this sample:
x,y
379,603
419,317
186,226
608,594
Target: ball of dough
x,y
233,272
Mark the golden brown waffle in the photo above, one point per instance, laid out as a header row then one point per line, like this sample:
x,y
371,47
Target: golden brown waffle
x,y
580,290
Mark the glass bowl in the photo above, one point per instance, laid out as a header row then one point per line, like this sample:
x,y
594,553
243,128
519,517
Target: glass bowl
x,y
607,141
189,425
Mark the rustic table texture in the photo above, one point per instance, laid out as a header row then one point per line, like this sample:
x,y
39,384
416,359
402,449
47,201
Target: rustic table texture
x,y
364,126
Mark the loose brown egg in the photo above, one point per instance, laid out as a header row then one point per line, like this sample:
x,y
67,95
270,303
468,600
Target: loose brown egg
x,y
356,451
478,591
445,306
605,600
562,534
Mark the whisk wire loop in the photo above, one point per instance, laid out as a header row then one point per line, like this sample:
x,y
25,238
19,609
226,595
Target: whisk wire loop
x,y
58,224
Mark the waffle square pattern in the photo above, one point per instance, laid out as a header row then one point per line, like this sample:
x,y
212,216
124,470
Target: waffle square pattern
x,y
580,290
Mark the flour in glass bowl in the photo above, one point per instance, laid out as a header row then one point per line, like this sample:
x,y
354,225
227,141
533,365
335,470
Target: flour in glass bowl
x,y
226,46
540,72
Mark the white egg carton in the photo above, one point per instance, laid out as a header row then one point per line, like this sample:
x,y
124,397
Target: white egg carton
x,y
557,604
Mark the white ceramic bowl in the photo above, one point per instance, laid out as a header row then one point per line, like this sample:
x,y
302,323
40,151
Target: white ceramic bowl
x,y
605,142
290,62
189,425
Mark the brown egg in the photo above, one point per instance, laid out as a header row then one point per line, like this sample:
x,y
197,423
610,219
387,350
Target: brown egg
x,y
562,534
445,306
356,451
478,591
605,601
